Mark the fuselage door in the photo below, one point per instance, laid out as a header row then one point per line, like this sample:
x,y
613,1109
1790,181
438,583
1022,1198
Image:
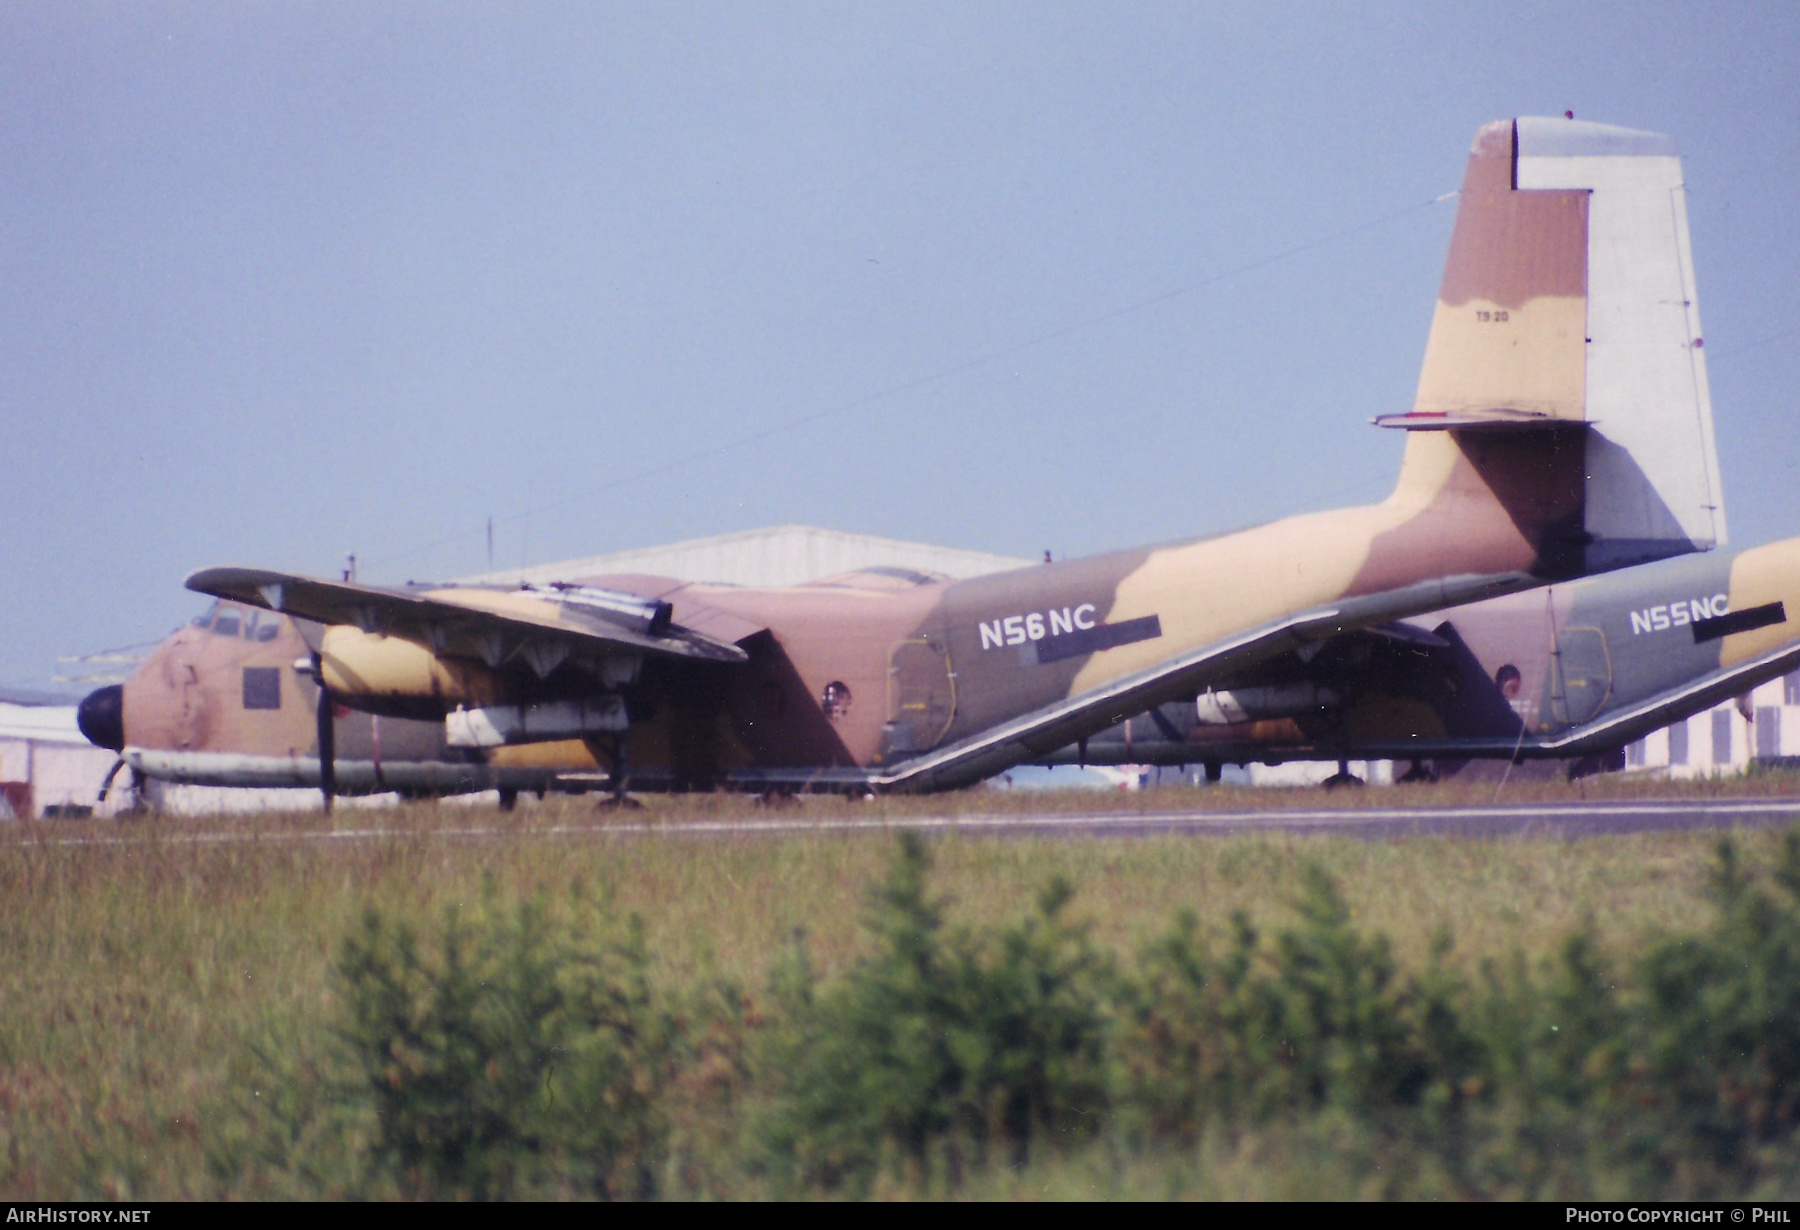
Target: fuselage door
x,y
1583,675
921,697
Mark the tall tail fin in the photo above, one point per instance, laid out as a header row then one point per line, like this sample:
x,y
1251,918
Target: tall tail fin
x,y
1568,299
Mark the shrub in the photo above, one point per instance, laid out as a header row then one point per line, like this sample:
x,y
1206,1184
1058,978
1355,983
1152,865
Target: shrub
x,y
524,1051
1040,1031
1719,1051
1674,1075
944,1045
1318,1021
515,1052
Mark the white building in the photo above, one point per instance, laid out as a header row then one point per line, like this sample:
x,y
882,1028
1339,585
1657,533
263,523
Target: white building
x,y
46,766
780,555
1728,738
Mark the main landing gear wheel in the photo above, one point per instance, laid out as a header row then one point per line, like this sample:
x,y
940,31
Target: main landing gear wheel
x,y
509,798
1418,773
1343,777
620,774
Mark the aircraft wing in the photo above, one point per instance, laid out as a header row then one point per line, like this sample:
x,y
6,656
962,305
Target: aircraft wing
x,y
1058,725
482,623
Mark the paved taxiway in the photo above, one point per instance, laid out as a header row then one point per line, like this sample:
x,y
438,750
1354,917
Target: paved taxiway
x,y
1562,821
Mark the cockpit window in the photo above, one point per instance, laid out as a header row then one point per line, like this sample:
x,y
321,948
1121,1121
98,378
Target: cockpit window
x,y
228,622
262,626
204,618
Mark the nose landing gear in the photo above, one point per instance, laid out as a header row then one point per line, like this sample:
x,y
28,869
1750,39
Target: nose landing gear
x,y
139,788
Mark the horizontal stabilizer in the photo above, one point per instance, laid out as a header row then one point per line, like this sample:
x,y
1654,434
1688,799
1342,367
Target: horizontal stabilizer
x,y
1497,418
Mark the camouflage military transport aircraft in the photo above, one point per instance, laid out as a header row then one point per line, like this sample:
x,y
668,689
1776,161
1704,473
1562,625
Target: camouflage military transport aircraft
x,y
1574,670
1562,427
1569,671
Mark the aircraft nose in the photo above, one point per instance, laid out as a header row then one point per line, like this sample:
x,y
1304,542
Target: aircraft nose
x,y
101,716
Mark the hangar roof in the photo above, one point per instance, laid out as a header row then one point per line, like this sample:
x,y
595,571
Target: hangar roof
x,y
779,555
40,723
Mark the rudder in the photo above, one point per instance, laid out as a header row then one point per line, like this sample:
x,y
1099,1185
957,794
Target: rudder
x,y
1568,305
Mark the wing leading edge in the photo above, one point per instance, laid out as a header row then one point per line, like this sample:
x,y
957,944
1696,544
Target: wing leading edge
x,y
484,624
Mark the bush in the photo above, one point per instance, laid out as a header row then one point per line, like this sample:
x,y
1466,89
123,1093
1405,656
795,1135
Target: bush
x,y
523,1051
1719,1044
1317,1021
513,1053
943,1045
1675,1075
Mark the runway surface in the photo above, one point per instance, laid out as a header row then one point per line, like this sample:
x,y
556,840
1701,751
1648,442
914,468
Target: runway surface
x,y
1559,821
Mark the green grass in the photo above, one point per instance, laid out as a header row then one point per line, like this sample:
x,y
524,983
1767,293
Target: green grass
x,y
150,987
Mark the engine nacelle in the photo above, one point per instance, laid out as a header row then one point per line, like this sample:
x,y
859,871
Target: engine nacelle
x,y
358,665
1260,704
555,721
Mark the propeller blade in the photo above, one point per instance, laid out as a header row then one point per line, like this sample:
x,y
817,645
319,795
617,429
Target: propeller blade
x,y
327,738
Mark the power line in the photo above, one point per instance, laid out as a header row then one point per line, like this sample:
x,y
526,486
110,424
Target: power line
x,y
1729,351
918,382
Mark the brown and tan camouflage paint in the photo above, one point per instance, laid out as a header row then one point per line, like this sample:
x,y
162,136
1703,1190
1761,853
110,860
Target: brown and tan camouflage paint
x,y
1760,576
1510,329
837,631
188,694
1507,340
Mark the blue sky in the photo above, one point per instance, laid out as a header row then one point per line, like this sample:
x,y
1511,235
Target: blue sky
x,y
288,281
